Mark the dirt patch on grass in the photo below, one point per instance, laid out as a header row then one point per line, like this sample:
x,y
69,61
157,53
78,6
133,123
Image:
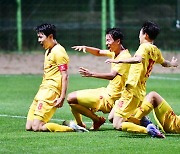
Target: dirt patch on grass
x,y
33,63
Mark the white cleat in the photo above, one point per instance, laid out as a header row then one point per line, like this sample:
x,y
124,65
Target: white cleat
x,y
76,127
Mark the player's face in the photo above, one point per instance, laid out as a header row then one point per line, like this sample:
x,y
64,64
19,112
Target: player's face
x,y
43,40
110,43
141,36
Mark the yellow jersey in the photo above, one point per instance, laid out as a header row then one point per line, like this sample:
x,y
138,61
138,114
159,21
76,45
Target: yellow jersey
x,y
139,73
54,58
115,86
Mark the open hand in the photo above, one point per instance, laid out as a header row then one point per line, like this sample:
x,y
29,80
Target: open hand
x,y
174,62
79,48
85,72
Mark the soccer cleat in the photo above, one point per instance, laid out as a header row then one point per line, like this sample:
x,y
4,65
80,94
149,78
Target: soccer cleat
x,y
145,121
76,127
154,132
97,125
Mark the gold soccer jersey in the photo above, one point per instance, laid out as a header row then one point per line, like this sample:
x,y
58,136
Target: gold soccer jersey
x,y
102,99
139,73
115,86
54,58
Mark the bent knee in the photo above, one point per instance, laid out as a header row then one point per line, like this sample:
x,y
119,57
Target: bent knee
x,y
29,128
28,125
72,99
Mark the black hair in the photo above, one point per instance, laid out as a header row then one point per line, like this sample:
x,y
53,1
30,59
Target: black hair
x,y
151,29
115,33
47,29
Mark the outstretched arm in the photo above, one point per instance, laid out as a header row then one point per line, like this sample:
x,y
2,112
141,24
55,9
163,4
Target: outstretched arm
x,y
108,76
132,60
172,63
92,50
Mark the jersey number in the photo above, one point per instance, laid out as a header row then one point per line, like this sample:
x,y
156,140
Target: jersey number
x,y
149,68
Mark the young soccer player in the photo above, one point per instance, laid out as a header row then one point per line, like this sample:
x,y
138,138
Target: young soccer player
x,y
52,90
87,102
141,66
167,120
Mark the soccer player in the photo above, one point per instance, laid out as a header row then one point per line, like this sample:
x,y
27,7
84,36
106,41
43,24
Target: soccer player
x,y
167,120
52,90
141,66
164,114
87,102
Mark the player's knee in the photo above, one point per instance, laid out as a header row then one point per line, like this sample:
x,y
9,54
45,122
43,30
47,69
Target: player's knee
x,y
35,127
28,128
71,98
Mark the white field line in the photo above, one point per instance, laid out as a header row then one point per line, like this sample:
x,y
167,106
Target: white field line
x,y
24,117
163,78
152,77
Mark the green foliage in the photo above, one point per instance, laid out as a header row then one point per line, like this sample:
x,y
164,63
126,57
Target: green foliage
x,y
17,92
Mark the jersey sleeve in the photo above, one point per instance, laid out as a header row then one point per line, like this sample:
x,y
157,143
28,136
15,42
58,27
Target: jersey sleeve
x,y
110,54
122,68
60,58
160,58
140,51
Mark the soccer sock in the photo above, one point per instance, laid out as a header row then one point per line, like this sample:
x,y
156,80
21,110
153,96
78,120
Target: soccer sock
x,y
144,109
77,116
85,111
52,127
131,127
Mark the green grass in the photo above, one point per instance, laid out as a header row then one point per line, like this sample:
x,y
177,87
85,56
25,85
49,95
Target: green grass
x,y
17,92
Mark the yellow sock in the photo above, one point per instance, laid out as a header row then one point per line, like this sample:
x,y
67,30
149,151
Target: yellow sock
x,y
77,116
52,127
131,127
144,109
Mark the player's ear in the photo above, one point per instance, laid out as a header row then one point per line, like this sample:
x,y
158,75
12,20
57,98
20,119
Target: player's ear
x,y
119,41
51,36
147,36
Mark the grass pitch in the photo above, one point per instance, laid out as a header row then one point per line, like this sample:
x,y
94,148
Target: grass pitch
x,y
17,92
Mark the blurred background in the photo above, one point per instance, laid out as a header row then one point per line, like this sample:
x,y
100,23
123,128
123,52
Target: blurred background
x,y
83,22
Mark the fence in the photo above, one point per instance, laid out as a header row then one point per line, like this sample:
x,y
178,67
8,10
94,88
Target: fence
x,y
78,22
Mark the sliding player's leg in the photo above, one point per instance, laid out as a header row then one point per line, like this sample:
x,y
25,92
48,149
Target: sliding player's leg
x,y
86,102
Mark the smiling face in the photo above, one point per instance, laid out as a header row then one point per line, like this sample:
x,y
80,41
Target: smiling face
x,y
44,40
111,44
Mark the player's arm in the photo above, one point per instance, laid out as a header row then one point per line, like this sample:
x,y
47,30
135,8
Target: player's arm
x,y
92,50
133,60
172,63
60,101
108,76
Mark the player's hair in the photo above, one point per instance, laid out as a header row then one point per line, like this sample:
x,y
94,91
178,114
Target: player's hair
x,y
115,33
47,29
151,29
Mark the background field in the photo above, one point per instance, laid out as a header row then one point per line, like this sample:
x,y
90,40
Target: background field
x,y
17,92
